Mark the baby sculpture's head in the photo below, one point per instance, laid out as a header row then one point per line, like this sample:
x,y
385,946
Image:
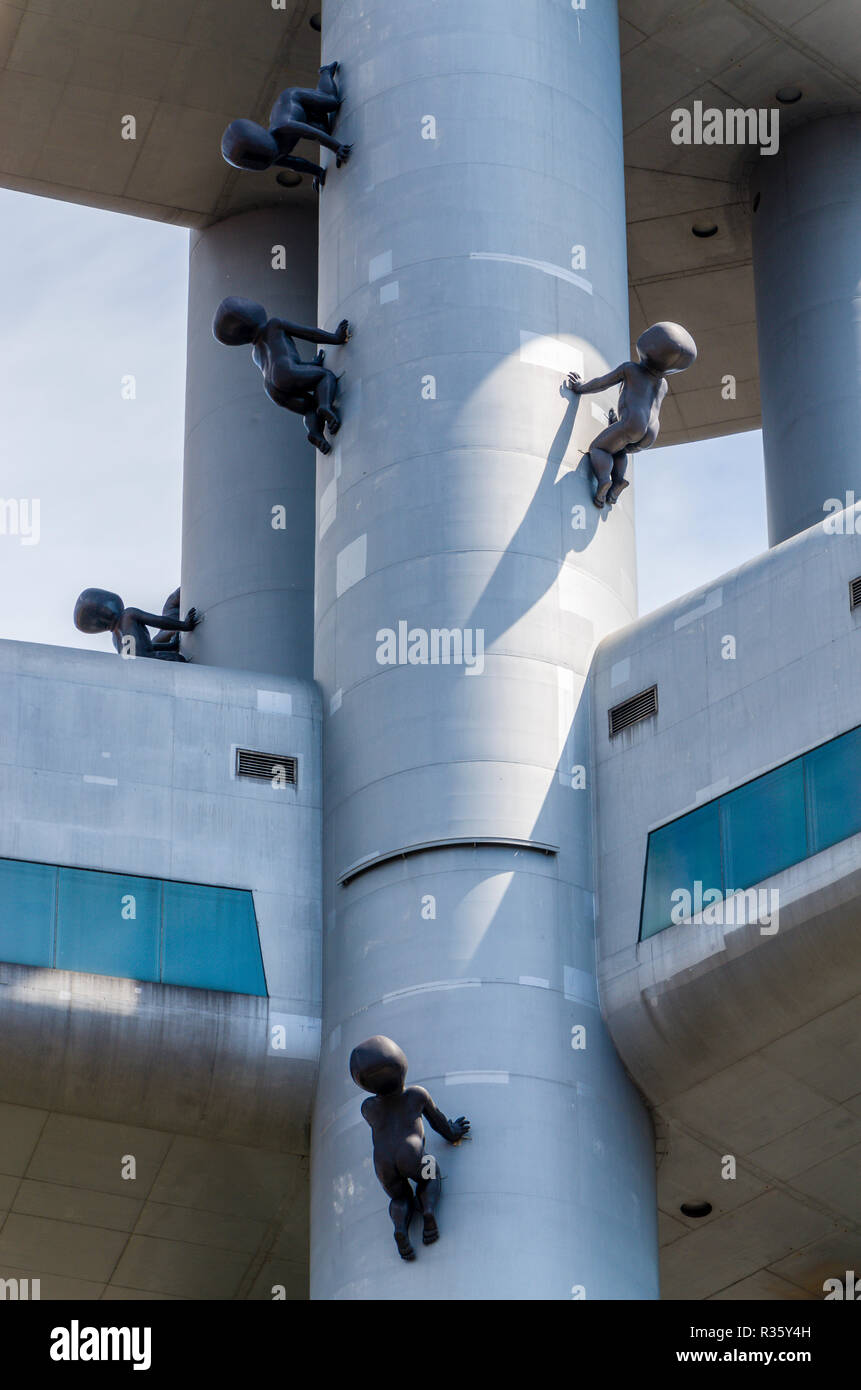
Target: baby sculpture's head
x,y
238,321
97,610
666,348
246,145
378,1065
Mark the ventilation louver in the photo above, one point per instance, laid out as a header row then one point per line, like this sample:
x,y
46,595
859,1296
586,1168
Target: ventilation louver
x,y
277,768
641,706
855,592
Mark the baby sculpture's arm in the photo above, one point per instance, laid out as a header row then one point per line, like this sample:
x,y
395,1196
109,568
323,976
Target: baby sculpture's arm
x,y
162,620
598,383
316,335
452,1130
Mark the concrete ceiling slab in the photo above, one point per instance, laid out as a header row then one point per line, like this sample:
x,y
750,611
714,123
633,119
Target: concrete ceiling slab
x,y
690,1167
89,1153
56,1286
763,1286
56,1202
20,1128
60,1247
810,1144
201,1219
227,1178
174,1267
809,1268
836,1181
759,1233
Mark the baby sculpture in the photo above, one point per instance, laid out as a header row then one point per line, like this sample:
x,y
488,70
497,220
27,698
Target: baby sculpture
x,y
394,1113
306,388
299,113
663,349
168,641
100,610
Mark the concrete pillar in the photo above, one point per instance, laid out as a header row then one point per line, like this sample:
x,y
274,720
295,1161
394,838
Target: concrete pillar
x,y
458,882
244,456
806,235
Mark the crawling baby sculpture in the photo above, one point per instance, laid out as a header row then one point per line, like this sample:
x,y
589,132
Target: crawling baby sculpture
x,y
306,388
394,1112
663,349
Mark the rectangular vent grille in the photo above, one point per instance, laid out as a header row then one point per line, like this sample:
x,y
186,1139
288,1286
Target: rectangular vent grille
x,y
855,592
641,706
277,768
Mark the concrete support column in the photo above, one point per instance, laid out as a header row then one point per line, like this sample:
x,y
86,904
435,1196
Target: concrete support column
x,y
806,238
476,243
244,457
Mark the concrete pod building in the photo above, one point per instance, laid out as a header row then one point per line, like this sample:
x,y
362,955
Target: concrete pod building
x,y
497,785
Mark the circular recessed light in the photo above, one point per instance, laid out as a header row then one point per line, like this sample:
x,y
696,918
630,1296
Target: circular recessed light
x,y
288,178
704,228
756,198
787,95
316,22
695,1209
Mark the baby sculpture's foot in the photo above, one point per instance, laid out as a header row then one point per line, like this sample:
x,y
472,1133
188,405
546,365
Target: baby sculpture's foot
x,y
318,181
431,1229
320,443
330,67
405,1250
616,490
331,419
601,495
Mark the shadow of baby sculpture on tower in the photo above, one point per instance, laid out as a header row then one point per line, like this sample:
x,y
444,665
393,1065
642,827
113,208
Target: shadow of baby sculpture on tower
x,y
394,1112
299,113
306,388
663,349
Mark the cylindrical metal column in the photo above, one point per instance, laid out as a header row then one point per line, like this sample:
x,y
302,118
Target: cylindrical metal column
x,y
476,243
806,240
248,482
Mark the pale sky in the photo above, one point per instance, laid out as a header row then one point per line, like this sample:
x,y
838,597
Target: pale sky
x,y
94,297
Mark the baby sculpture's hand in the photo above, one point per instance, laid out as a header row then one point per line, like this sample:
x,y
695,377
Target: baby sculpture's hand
x,y
573,382
343,331
459,1129
192,619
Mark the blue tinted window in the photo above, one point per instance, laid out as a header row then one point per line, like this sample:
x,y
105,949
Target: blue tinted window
x,y
764,826
679,854
27,904
834,790
210,939
109,924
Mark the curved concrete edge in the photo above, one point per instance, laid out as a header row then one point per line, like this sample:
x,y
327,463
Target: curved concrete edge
x,y
697,998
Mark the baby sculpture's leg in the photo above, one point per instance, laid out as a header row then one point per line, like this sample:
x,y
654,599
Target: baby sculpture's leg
x,y
620,468
301,166
609,442
602,469
402,1209
315,426
324,100
428,1192
325,401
